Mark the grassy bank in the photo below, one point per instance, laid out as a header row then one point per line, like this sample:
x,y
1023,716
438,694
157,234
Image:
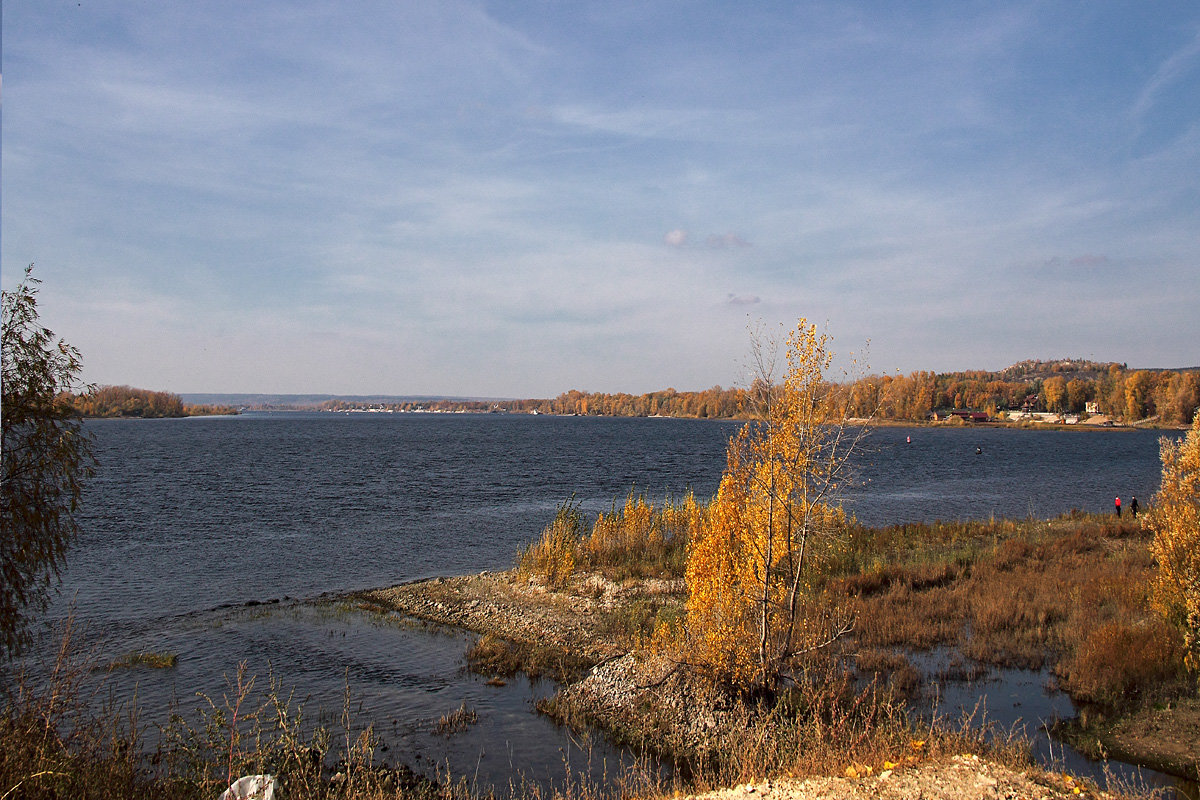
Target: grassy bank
x,y
1070,595
1067,594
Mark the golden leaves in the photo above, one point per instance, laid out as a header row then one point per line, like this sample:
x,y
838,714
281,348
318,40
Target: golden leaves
x,y
1175,521
772,525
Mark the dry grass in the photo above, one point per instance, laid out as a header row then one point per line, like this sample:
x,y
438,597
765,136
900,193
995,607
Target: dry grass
x,y
1071,593
56,742
456,721
498,657
634,540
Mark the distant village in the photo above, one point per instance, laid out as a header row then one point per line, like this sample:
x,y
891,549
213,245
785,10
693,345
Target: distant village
x,y
1063,392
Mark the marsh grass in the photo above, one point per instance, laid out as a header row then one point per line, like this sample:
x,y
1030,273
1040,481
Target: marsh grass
x,y
59,739
633,540
1069,593
456,721
144,658
495,656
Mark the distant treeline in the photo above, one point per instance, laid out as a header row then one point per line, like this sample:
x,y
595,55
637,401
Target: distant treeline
x,y
1069,386
126,401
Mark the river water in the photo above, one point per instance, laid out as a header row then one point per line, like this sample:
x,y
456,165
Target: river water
x,y
201,536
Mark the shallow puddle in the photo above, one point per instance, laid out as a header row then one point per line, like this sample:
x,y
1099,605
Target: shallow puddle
x,y
1022,702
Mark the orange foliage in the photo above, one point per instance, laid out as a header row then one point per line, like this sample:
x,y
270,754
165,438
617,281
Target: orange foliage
x,y
753,598
1175,520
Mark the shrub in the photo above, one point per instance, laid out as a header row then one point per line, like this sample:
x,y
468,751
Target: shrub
x,y
1175,522
552,557
1120,664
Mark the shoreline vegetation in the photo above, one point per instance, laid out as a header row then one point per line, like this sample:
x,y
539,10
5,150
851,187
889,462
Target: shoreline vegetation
x,y
1067,393
106,402
1031,393
590,607
1067,594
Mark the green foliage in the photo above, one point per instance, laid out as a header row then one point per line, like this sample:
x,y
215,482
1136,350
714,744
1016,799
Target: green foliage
x,y
46,458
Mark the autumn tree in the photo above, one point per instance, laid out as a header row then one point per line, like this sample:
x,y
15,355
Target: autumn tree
x,y
754,601
1175,521
46,457
1138,388
1078,394
1054,393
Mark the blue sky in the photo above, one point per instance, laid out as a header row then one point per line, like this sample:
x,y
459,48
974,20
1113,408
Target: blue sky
x,y
519,198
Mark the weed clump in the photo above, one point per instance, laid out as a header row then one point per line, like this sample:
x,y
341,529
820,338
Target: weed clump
x,y
636,540
495,656
146,659
1120,665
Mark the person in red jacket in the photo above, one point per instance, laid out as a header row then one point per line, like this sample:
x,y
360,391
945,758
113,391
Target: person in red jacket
x,y
1118,506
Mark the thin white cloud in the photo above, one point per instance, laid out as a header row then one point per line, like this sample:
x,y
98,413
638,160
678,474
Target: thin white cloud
x,y
489,200
1174,68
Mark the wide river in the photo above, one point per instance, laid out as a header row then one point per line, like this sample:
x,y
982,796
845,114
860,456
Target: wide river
x,y
189,521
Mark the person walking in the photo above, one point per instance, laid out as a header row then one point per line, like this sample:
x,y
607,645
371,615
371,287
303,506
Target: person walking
x,y
1117,504
1133,507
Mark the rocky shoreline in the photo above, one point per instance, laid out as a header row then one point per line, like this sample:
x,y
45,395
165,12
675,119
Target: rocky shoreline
x,y
642,700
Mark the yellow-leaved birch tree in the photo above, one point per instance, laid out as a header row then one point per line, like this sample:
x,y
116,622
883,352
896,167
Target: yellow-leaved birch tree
x,y
753,604
1174,519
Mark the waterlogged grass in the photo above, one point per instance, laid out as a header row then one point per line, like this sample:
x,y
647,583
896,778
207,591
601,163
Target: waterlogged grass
x,y
148,659
1069,593
54,743
497,657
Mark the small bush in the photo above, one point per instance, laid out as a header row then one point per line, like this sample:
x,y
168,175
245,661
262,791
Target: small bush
x,y
491,655
553,556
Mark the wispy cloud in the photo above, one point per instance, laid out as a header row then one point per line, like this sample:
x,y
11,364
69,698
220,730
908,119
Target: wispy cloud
x,y
1177,67
505,200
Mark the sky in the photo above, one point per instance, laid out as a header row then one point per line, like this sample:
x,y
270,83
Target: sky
x,y
514,199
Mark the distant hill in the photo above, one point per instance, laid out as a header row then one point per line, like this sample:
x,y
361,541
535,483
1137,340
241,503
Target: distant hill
x,y
1033,370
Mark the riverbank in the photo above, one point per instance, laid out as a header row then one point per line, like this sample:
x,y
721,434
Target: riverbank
x,y
589,631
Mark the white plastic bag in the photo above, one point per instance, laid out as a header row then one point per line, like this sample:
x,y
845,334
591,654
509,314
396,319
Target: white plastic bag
x,y
251,787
